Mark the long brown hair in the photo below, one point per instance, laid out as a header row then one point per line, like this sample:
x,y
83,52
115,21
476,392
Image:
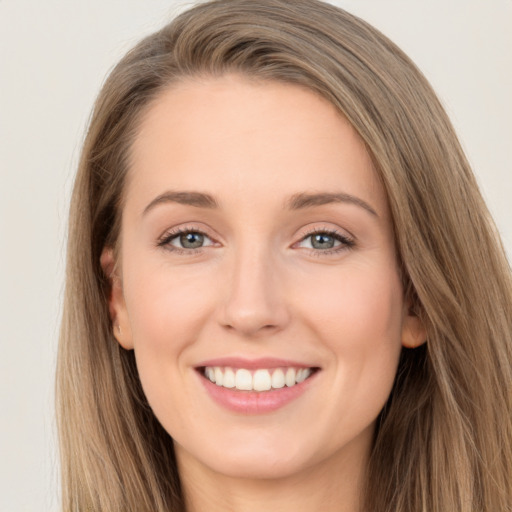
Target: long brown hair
x,y
444,440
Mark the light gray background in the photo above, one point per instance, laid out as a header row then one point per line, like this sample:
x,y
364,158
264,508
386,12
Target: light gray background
x,y
54,55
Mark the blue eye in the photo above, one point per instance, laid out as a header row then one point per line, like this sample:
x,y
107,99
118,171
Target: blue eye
x,y
186,240
190,240
326,241
323,241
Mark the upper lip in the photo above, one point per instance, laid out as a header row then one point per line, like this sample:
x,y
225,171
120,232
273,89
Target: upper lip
x,y
262,362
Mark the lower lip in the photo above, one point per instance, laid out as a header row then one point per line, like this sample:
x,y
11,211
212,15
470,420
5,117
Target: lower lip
x,y
255,402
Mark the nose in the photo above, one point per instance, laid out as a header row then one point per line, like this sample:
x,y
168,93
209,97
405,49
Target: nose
x,y
255,301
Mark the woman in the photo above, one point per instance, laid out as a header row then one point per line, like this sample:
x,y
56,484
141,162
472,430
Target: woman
x,y
284,289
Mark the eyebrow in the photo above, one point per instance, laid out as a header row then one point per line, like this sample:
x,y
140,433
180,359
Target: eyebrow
x,y
305,200
198,199
296,202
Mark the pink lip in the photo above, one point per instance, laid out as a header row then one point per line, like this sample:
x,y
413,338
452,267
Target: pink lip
x,y
253,402
252,364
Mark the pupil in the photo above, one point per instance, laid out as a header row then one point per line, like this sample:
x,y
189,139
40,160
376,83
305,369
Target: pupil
x,y
323,242
191,240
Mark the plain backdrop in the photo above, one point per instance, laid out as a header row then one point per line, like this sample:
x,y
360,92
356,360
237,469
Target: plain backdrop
x,y
54,56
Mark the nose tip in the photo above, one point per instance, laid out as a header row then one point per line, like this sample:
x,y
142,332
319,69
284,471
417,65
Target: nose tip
x,y
251,322
255,300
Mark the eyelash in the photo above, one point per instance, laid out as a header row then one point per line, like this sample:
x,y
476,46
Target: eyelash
x,y
346,243
165,241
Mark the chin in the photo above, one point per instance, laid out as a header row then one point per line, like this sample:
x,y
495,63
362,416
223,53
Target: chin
x,y
261,457
258,466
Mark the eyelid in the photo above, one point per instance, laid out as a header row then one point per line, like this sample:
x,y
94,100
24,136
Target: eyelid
x,y
327,229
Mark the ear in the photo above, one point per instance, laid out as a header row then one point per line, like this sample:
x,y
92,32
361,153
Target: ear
x,y
414,332
116,304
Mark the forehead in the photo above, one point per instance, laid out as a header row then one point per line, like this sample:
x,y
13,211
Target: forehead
x,y
231,135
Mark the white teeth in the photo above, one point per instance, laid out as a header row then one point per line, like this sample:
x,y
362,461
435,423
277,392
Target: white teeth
x,y
278,379
243,380
290,377
302,375
229,378
260,380
218,376
210,373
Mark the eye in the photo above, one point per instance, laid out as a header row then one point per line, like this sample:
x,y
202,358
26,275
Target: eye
x,y
188,240
185,240
321,241
326,241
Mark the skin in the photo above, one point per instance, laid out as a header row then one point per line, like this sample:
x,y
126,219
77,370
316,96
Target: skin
x,y
258,288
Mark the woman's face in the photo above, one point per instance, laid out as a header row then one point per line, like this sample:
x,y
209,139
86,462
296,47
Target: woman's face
x,y
257,251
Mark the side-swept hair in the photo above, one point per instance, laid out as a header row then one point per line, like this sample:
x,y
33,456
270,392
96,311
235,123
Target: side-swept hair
x,y
443,442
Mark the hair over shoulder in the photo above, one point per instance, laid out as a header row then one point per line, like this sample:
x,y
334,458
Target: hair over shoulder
x,y
444,439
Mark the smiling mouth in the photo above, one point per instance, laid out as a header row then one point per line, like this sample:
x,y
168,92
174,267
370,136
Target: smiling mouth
x,y
259,380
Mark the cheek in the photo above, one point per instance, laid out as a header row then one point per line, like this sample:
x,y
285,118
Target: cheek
x,y
359,320
165,308
166,311
356,302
